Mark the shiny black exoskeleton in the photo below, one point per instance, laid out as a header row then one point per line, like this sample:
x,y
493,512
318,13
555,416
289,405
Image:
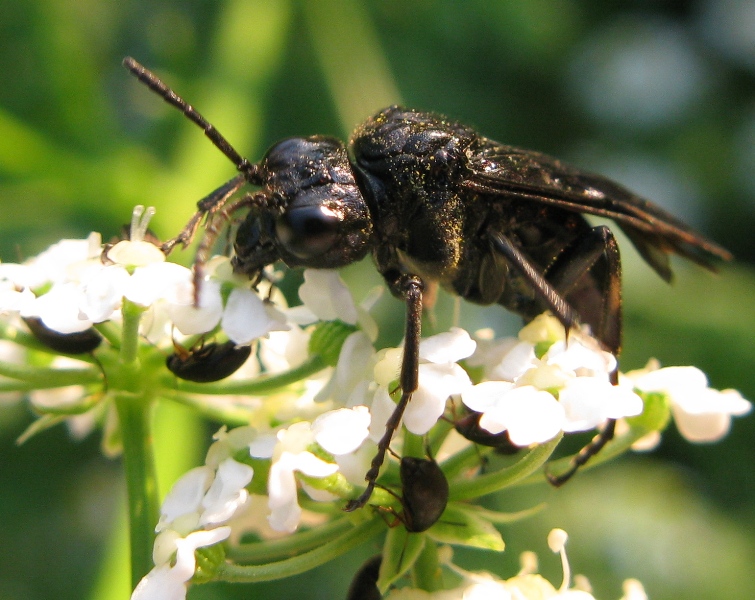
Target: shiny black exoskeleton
x,y
209,362
434,202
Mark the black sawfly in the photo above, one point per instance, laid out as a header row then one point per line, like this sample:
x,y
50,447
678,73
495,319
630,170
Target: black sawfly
x,y
436,203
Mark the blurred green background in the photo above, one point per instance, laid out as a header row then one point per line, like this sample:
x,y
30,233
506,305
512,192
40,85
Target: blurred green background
x,y
658,94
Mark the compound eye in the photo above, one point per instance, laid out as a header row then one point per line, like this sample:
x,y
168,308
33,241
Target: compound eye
x,y
308,231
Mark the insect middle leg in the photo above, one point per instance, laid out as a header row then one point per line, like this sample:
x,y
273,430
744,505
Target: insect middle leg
x,y
411,288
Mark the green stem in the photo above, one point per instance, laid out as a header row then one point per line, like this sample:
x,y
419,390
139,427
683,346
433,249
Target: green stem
x,y
141,480
303,562
130,333
44,378
134,401
492,482
289,546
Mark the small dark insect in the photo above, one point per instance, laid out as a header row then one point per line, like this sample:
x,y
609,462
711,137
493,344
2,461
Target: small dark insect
x,y
364,584
436,203
424,493
80,342
469,427
210,362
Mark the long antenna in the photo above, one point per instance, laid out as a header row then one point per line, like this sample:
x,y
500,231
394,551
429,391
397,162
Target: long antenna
x,y
154,83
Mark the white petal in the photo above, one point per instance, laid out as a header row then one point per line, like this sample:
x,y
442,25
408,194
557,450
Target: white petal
x,y
530,416
282,501
701,427
165,546
451,346
135,253
670,379
484,395
185,560
156,281
517,359
388,365
263,446
309,464
576,356
227,492
283,350
245,318
343,430
186,495
381,409
103,292
161,583
59,309
354,465
191,320
436,384
355,366
589,401
327,296
14,301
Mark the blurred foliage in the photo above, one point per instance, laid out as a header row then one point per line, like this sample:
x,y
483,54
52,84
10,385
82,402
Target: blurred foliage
x,y
658,94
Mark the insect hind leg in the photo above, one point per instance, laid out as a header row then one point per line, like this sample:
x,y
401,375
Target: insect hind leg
x,y
595,255
597,300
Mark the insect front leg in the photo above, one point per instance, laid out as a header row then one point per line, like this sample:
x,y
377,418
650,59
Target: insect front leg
x,y
410,288
208,205
595,255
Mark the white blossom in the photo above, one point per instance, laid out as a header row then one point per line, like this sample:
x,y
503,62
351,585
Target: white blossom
x,y
247,317
701,414
193,513
567,389
528,414
342,431
166,582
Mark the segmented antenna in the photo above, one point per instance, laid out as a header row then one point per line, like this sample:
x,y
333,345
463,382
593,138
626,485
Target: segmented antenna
x,y
154,83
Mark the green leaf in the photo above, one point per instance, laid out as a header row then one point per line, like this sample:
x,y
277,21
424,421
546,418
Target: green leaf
x,y
400,552
465,526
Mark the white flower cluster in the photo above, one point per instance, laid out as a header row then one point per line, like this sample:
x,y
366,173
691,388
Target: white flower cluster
x,y
201,504
325,429
193,516
701,414
72,286
525,585
534,397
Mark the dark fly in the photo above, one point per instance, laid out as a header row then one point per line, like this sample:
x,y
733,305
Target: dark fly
x,y
435,202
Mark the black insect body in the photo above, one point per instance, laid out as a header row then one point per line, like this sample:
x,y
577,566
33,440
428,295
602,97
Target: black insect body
x,y
437,203
79,342
209,362
424,493
364,585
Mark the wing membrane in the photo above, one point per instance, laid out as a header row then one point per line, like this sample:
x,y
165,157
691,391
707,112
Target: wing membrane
x,y
501,170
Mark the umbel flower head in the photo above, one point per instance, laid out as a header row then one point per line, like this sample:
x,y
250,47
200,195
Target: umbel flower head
x,y
102,333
